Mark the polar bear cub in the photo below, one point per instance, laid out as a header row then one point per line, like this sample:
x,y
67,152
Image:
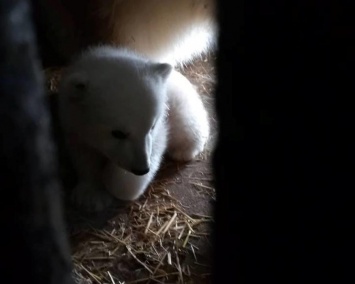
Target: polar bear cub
x,y
120,114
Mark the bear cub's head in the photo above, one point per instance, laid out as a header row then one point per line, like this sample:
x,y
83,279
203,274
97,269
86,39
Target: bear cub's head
x,y
115,102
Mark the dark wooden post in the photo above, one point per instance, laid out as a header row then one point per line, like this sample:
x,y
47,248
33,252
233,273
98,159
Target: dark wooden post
x,y
284,162
34,247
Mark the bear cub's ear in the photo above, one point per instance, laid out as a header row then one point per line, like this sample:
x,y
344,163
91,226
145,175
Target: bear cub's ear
x,y
77,84
162,70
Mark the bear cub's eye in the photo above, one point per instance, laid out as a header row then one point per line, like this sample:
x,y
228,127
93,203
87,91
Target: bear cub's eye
x,y
119,134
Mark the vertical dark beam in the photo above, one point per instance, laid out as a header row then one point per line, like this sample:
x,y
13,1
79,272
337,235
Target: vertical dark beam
x,y
285,157
61,29
34,246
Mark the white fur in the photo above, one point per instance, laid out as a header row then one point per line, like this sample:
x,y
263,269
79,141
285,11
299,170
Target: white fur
x,y
110,89
188,119
172,31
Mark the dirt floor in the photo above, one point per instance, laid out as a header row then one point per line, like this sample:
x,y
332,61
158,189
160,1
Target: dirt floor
x,y
164,237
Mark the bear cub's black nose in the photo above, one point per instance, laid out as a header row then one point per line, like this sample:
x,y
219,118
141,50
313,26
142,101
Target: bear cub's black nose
x,y
140,172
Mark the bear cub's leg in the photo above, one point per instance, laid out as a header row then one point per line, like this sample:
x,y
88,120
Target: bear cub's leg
x,y
188,119
90,193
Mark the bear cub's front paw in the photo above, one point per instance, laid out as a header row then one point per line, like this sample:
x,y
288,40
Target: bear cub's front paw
x,y
90,197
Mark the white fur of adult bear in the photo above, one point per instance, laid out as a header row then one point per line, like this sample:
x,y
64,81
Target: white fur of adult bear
x,y
120,113
171,31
